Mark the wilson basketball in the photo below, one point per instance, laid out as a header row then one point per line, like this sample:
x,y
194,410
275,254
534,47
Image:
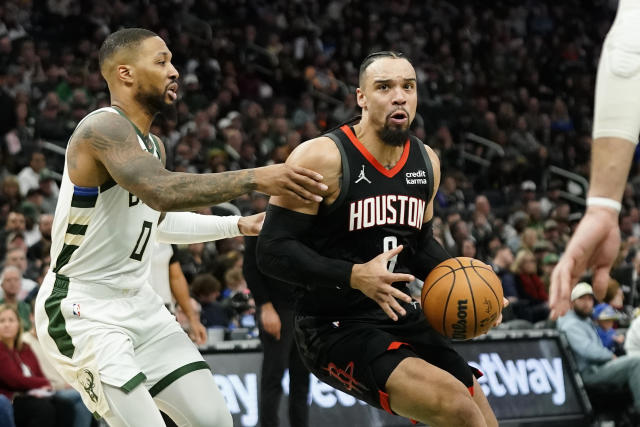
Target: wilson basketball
x,y
462,298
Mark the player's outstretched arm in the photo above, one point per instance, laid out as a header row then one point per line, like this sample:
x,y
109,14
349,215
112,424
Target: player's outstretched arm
x,y
596,241
110,143
283,255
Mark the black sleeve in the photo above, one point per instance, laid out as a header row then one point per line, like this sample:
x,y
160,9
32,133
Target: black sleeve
x,y
282,253
256,281
428,254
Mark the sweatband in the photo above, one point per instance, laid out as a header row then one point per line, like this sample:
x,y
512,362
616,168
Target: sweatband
x,y
429,253
605,202
282,253
189,227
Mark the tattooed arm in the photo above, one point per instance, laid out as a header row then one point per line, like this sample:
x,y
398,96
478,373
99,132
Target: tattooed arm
x,y
106,145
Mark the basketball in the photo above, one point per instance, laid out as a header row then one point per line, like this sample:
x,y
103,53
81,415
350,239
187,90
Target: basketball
x,y
462,298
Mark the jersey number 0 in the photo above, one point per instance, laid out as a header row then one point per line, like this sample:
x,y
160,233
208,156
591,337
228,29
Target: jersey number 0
x,y
143,239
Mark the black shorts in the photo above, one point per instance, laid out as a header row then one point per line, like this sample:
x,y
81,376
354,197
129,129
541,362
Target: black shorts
x,y
357,355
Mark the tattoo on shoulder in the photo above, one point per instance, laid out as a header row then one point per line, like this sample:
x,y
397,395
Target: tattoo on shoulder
x,y
103,133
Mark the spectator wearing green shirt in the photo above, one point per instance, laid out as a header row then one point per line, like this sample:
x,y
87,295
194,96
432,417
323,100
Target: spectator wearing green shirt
x,y
11,282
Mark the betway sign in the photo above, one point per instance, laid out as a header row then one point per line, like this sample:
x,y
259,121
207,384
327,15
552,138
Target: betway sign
x,y
523,379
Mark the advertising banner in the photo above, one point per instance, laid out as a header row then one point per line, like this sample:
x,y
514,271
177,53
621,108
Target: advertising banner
x,y
526,379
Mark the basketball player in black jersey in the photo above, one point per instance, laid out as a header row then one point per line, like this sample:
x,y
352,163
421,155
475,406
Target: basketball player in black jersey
x,y
352,255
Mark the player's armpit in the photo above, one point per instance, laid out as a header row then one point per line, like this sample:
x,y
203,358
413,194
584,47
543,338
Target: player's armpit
x,y
322,156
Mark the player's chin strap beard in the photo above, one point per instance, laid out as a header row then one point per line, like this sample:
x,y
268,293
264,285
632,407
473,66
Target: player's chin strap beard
x,y
393,137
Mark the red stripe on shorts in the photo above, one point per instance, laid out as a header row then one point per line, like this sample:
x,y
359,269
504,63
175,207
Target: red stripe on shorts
x,y
384,402
396,345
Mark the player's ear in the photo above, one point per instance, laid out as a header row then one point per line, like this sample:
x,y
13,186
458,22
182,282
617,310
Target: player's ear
x,y
125,73
361,98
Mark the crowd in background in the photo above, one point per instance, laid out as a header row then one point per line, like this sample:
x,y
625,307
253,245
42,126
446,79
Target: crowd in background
x,y
505,99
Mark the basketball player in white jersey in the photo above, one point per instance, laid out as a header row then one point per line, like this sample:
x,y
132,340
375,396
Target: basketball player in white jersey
x,y
616,125
101,324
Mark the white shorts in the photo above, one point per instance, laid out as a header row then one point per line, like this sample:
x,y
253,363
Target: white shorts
x,y
617,97
95,334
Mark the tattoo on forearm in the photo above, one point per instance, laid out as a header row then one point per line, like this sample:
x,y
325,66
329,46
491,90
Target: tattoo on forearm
x,y
117,147
193,190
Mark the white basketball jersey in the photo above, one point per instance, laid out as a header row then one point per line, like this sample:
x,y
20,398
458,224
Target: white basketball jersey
x,y
101,235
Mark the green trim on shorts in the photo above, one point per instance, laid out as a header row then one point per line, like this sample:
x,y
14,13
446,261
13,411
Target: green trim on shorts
x,y
134,382
180,372
57,327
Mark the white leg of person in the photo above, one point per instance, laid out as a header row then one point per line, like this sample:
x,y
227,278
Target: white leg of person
x,y
133,409
194,400
617,104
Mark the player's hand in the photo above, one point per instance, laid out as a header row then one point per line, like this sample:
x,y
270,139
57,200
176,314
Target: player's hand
x,y
251,225
292,181
197,332
594,245
505,303
270,320
374,280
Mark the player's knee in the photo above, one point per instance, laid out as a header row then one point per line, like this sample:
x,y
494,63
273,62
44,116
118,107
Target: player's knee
x,y
212,415
457,408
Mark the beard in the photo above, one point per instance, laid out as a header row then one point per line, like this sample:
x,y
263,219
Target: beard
x,y
395,137
154,103
582,314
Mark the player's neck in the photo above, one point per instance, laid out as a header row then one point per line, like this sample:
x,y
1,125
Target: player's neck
x,y
134,112
387,155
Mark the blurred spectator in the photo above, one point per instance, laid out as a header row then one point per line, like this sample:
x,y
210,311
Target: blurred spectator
x,y
49,190
549,262
598,366
22,380
29,176
501,264
605,316
533,298
11,282
63,391
17,257
40,249
50,123
168,281
468,248
10,192
234,282
449,197
632,339
6,412
195,260
550,200
206,290
16,223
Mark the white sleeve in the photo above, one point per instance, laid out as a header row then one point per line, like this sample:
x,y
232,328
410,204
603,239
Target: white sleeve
x,y
188,227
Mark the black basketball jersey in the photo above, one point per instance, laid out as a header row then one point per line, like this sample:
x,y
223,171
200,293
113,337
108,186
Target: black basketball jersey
x,y
377,210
